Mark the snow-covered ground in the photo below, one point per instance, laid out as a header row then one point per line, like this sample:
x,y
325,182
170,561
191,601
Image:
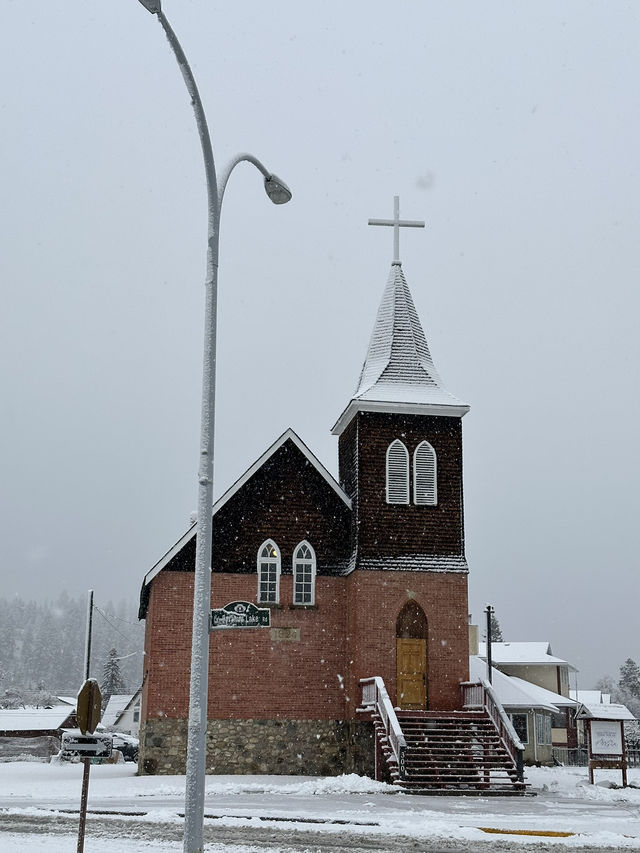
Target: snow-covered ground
x,y
39,803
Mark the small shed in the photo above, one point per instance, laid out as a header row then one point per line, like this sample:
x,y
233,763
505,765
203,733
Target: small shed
x,y
34,731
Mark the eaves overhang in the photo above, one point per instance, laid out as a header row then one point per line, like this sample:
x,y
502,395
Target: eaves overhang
x,y
432,409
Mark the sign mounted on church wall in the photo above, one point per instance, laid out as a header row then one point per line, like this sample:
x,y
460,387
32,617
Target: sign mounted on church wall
x,y
239,614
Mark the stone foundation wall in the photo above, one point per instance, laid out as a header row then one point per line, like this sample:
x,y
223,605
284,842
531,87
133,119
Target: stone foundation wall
x,y
287,747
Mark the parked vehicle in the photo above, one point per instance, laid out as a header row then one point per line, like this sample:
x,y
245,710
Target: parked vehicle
x,y
127,744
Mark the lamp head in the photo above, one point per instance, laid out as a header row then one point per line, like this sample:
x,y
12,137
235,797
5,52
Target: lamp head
x,y
275,188
152,6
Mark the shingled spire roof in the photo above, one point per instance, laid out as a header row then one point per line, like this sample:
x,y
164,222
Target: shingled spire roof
x,y
398,374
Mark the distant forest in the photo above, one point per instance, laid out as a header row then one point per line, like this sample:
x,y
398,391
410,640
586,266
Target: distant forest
x,y
42,646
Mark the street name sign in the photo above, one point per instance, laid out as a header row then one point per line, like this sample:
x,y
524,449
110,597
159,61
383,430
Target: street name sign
x,y
239,614
86,746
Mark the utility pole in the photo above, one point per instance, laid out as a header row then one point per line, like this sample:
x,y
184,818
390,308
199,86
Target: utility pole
x,y
489,612
87,656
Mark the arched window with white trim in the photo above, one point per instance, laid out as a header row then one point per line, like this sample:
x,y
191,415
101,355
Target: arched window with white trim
x,y
397,473
304,574
269,572
425,475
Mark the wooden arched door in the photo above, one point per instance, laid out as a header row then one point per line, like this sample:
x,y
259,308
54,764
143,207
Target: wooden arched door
x,y
411,657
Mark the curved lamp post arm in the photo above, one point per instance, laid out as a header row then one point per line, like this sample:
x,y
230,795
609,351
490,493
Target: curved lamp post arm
x,y
279,193
275,187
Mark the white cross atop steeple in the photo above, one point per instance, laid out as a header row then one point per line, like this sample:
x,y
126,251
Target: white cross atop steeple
x,y
397,224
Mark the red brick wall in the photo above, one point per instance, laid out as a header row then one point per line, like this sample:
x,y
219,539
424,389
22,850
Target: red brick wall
x,y
250,675
253,677
375,600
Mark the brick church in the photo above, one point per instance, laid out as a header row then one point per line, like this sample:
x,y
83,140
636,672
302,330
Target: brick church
x,y
363,576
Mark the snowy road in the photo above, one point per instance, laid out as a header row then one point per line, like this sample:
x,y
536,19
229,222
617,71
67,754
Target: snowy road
x,y
39,802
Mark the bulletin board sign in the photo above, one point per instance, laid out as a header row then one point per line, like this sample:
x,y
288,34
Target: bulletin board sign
x,y
606,747
606,738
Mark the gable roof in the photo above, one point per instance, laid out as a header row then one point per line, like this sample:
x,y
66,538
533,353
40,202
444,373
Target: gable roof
x,y
34,719
511,692
514,692
522,654
398,373
612,711
288,435
116,705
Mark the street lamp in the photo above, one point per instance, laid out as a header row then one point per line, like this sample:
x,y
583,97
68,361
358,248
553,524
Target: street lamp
x,y
279,193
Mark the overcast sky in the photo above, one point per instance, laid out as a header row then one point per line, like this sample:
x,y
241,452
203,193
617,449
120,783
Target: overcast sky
x,y
510,127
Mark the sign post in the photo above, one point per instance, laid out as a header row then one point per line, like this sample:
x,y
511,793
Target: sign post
x,y
88,712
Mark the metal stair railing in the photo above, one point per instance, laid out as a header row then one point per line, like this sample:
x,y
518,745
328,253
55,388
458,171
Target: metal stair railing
x,y
480,695
376,699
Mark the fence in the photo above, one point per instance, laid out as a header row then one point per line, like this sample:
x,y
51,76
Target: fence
x,y
580,757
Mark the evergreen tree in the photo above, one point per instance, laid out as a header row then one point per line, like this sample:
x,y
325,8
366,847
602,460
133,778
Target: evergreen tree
x,y
112,680
629,681
496,631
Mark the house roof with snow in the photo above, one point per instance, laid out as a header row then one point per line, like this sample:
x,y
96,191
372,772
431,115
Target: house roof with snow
x,y
523,654
116,705
612,711
398,373
513,692
591,697
25,720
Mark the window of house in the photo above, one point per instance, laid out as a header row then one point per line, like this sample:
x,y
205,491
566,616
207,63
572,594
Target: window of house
x,y
520,723
543,729
136,713
269,572
397,473
425,486
304,574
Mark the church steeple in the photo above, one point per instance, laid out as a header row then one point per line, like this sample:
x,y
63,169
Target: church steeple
x,y
398,374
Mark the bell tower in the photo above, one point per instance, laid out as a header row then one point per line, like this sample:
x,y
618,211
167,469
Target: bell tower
x,y
400,444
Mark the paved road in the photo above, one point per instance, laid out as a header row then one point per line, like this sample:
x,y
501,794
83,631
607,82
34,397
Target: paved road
x,y
274,838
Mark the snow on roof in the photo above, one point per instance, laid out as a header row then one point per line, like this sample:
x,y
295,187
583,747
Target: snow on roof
x,y
288,435
591,697
115,706
522,654
398,368
512,692
34,719
67,700
543,694
612,711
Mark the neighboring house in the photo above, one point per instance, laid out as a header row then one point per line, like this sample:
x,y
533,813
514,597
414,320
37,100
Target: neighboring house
x,y
34,731
122,713
531,709
535,662
364,576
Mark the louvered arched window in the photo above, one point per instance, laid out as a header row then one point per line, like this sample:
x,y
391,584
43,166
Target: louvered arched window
x,y
269,572
304,574
425,475
397,473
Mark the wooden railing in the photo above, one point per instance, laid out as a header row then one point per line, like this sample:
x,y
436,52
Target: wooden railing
x,y
376,699
480,695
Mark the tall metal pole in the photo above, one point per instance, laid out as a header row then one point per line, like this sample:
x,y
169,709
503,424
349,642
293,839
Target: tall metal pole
x,y
87,653
489,611
279,193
